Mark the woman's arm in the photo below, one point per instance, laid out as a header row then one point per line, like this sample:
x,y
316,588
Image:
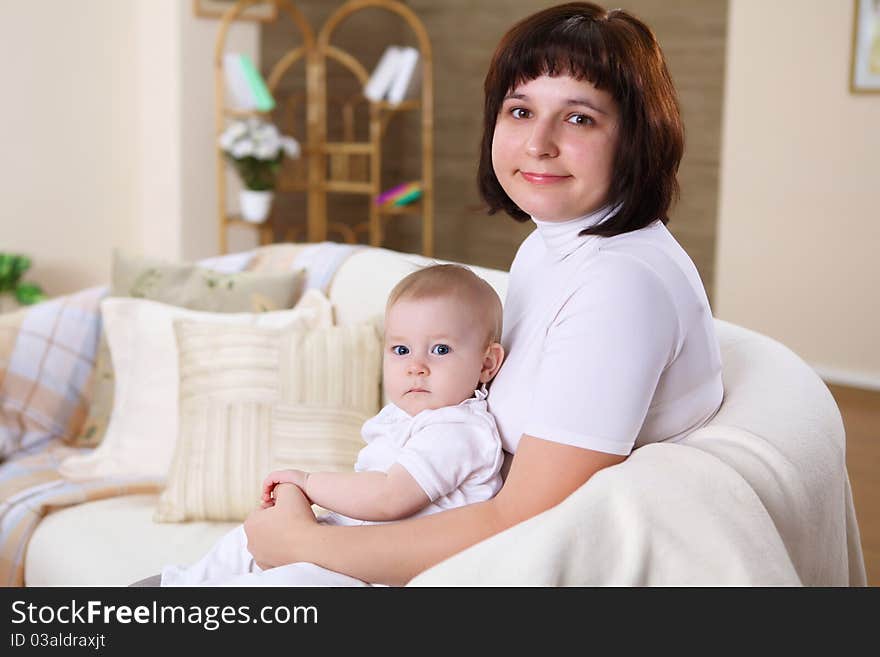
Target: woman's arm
x,y
543,474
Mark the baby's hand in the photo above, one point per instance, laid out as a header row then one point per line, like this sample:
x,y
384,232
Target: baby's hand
x,y
276,477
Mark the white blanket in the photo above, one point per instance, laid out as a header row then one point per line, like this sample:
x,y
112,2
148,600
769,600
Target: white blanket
x,y
759,496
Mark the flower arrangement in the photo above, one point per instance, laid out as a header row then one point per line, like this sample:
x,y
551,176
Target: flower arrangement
x,y
12,268
256,148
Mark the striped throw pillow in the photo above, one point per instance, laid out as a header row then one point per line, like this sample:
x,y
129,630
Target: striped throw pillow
x,y
256,399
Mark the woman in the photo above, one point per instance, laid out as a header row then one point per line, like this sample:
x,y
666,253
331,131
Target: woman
x,y
608,331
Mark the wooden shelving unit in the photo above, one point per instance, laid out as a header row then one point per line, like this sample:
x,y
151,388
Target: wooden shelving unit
x,y
329,167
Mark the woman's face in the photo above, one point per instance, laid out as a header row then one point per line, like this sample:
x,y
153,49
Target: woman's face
x,y
553,147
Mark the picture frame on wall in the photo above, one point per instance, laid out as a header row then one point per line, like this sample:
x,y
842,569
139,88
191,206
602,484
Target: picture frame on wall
x,y
263,12
865,67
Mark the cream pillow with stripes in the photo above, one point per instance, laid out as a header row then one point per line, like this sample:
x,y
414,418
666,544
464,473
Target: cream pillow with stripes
x,y
256,399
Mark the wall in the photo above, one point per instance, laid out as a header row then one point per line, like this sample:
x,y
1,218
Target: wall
x,y
198,220
69,133
799,225
107,131
463,36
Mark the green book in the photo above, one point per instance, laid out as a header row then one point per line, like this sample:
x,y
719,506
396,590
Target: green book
x,y
263,99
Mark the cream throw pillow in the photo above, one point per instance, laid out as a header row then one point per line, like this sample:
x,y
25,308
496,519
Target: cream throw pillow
x,y
254,399
143,424
189,286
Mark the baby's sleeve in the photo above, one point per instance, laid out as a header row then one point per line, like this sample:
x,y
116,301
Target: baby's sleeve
x,y
442,455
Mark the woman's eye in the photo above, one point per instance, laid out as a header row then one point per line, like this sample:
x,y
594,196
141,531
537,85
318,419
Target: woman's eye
x,y
400,350
580,119
520,113
440,349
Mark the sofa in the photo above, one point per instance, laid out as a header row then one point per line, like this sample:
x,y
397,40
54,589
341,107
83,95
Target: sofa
x,y
758,496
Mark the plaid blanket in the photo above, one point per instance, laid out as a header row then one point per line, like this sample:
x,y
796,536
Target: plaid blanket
x,y
47,355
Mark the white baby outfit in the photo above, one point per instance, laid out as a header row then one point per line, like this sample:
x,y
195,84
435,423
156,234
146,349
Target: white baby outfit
x,y
610,341
453,453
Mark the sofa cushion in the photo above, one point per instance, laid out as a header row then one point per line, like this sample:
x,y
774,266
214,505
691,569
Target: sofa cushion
x,y
143,427
188,286
255,399
361,285
112,542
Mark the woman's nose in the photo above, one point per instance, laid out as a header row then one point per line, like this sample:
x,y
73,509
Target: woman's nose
x,y
542,142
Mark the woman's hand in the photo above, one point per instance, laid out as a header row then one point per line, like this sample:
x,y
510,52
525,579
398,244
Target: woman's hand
x,y
273,533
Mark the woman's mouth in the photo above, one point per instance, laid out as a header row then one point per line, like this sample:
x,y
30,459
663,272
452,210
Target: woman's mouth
x,y
542,178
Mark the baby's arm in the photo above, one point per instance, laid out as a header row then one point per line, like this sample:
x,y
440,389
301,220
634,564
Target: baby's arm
x,y
368,495
290,476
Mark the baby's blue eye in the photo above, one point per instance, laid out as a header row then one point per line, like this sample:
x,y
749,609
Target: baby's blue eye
x,y
400,350
440,349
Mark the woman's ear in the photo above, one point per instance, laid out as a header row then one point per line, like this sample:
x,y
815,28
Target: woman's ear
x,y
492,360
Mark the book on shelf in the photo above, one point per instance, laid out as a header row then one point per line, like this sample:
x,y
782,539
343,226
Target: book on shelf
x,y
247,87
400,195
393,76
406,67
383,75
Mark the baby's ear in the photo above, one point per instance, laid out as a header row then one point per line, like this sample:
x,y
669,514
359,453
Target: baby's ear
x,y
492,360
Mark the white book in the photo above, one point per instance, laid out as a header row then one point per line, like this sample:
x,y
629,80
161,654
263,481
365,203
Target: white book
x,y
236,83
406,67
383,75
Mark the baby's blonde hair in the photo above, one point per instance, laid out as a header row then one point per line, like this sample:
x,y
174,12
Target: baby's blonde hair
x,y
454,281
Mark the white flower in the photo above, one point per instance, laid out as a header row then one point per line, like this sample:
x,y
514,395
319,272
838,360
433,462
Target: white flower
x,y
257,138
291,147
226,141
234,132
268,131
266,151
242,148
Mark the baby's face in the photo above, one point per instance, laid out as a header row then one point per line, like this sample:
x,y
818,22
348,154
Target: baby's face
x,y
434,350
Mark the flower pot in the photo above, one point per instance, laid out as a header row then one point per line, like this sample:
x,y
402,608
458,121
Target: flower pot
x,y
255,205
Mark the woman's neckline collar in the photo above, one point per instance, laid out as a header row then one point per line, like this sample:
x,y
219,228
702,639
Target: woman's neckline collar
x,y
562,238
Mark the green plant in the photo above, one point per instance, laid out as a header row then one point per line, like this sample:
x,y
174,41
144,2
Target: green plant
x,y
12,268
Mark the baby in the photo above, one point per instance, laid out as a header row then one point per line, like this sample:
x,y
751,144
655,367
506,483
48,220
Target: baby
x,y
433,447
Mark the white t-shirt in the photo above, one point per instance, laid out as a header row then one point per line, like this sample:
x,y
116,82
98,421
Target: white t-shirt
x,y
610,342
453,453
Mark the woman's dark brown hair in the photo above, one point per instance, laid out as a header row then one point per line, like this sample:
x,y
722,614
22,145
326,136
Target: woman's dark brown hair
x,y
619,54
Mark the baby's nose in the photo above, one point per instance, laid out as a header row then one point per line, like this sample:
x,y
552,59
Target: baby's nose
x,y
417,366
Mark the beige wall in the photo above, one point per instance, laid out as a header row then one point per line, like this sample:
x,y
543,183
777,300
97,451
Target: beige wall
x,y
799,225
107,128
69,134
198,171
